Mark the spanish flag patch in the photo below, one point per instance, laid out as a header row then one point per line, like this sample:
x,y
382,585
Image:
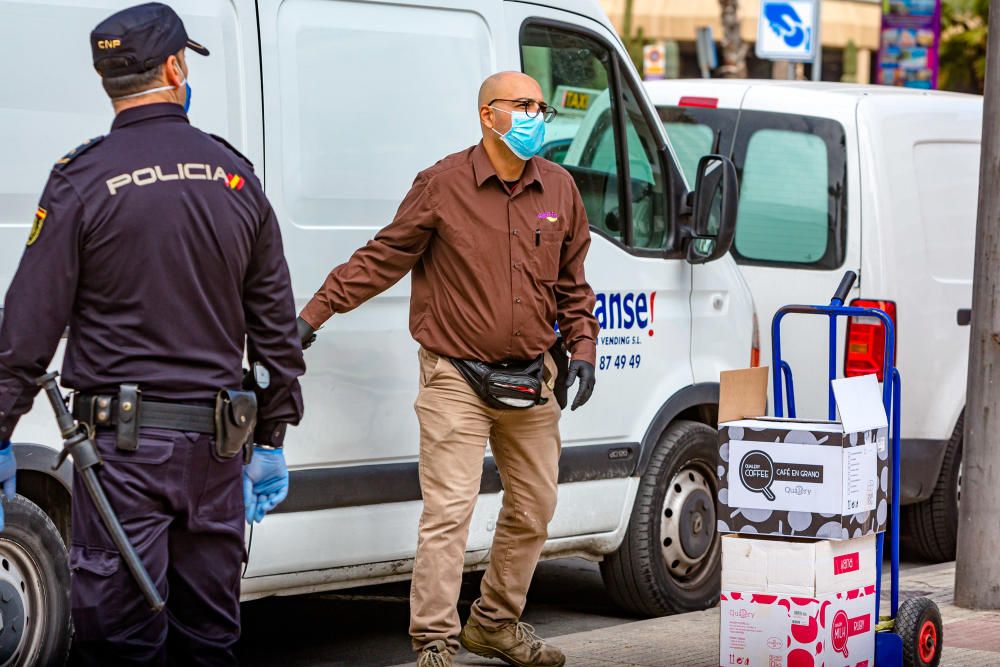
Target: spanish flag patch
x,y
36,226
235,181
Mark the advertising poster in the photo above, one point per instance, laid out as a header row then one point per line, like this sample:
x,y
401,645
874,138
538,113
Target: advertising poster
x,y
911,32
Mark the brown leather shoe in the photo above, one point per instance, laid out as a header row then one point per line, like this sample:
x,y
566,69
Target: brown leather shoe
x,y
515,643
435,654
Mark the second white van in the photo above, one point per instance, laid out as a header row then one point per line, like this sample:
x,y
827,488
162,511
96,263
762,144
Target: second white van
x,y
880,180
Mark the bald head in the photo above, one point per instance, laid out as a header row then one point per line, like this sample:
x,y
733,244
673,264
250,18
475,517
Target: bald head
x,y
509,85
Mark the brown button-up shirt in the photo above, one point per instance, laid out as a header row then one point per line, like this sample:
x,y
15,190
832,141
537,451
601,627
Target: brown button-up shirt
x,y
493,268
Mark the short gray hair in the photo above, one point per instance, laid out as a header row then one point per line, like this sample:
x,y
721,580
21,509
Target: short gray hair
x,y
129,84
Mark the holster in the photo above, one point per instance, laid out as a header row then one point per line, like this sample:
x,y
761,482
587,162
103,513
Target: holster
x,y
561,358
127,428
512,385
235,421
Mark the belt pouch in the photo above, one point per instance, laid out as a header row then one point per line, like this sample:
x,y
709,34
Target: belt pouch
x,y
514,385
235,421
129,402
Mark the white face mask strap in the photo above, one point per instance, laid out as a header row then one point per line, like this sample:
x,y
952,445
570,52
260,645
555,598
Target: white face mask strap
x,y
158,90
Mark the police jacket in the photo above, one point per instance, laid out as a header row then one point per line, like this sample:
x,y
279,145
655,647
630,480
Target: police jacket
x,y
158,248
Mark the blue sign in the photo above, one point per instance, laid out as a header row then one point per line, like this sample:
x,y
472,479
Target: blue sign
x,y
787,30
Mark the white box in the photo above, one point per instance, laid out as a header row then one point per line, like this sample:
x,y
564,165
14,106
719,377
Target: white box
x,y
793,603
823,480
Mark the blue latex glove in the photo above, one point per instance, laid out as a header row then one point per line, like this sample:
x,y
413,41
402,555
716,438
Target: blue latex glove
x,y
8,470
265,482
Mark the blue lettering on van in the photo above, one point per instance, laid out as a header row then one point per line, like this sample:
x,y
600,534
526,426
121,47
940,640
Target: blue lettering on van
x,y
625,311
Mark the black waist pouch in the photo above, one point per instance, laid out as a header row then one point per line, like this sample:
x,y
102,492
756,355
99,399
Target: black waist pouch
x,y
511,385
235,421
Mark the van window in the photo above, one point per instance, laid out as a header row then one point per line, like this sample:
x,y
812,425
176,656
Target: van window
x,y
358,98
692,132
783,198
793,172
575,73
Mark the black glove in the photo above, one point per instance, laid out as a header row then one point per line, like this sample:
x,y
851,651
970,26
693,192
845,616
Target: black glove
x,y
585,371
306,333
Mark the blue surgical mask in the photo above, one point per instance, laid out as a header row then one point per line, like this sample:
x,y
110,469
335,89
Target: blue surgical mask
x,y
525,136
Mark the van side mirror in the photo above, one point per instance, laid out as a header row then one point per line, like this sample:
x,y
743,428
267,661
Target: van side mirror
x,y
713,217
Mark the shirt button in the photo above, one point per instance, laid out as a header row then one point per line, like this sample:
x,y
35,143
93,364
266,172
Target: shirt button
x,y
515,232
517,299
517,333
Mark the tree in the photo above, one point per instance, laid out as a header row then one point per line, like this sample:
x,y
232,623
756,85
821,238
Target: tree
x,y
734,49
633,41
963,45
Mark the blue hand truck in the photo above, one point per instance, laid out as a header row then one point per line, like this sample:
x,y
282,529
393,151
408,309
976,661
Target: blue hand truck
x,y
911,635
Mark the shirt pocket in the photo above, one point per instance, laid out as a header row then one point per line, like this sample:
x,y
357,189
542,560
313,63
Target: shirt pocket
x,y
547,254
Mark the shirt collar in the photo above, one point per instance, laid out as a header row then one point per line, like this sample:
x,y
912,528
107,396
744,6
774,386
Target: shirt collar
x,y
484,170
133,115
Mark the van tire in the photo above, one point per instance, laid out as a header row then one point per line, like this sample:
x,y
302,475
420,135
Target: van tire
x,y
637,576
931,526
33,558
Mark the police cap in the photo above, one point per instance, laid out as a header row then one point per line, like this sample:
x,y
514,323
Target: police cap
x,y
138,39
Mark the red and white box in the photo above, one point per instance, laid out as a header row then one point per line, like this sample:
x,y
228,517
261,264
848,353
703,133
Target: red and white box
x,y
797,603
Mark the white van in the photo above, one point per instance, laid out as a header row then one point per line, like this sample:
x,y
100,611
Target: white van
x,y
880,180
339,103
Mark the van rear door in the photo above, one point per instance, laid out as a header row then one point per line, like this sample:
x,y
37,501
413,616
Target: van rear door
x,y
52,101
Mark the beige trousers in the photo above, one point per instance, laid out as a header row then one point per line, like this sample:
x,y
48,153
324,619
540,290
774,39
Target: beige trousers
x,y
455,425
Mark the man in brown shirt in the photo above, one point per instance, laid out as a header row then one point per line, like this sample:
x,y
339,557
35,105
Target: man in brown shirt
x,y
496,240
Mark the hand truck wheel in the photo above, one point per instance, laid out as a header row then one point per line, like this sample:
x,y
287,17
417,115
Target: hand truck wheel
x,y
918,624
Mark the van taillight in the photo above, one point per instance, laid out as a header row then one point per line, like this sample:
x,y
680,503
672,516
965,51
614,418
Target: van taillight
x,y
866,340
755,343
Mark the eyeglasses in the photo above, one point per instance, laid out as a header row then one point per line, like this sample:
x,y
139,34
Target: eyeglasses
x,y
530,107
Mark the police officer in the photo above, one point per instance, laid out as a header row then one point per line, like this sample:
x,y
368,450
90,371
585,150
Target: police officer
x,y
496,239
157,246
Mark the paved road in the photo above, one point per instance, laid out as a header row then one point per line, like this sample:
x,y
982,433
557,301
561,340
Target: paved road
x,y
368,626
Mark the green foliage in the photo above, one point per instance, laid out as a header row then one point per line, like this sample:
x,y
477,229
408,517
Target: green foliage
x,y
964,26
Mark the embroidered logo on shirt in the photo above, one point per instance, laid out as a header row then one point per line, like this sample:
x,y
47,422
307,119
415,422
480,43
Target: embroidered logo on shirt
x,y
551,216
235,181
36,226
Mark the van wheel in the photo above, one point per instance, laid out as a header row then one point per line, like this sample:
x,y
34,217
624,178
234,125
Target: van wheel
x,y
931,526
669,561
34,588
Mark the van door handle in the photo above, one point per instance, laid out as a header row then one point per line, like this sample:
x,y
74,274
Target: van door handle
x,y
964,317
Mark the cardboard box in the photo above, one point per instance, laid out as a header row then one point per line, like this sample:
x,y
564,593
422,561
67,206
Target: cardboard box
x,y
797,603
816,479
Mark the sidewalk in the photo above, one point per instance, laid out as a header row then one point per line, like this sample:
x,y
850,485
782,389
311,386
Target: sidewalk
x,y
971,638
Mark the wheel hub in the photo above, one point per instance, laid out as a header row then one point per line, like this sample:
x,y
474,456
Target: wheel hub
x,y
927,641
697,523
11,620
22,605
687,524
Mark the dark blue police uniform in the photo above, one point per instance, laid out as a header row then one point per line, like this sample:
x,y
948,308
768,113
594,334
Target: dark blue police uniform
x,y
158,248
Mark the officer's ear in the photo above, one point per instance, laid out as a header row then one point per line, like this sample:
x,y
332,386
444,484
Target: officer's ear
x,y
174,69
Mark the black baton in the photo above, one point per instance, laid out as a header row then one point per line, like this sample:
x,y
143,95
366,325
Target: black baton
x,y
77,443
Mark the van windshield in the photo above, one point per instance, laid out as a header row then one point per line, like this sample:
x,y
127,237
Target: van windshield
x,y
792,173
